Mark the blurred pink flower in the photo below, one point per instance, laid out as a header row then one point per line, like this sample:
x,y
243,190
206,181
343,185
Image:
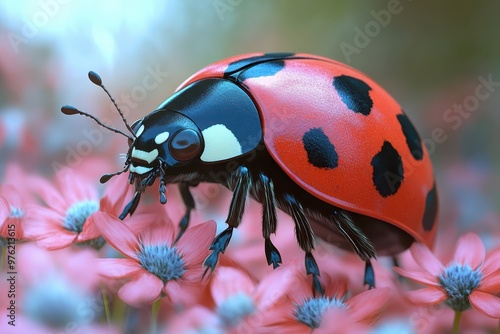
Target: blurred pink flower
x,y
70,205
303,312
197,319
241,303
468,280
54,291
16,201
153,263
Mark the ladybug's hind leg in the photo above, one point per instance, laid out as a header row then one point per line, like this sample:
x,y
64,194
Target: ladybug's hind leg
x,y
305,238
265,193
360,243
242,183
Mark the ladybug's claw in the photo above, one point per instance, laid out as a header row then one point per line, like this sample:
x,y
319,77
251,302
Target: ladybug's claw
x,y
218,246
272,254
312,269
369,275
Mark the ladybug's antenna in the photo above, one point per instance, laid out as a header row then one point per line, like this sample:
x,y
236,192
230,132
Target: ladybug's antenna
x,y
96,80
70,110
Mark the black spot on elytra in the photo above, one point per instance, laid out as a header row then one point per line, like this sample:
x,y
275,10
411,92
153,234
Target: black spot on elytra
x,y
412,138
431,207
266,69
240,64
320,151
354,93
387,170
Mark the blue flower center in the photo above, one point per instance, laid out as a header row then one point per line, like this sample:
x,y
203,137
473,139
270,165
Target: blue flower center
x,y
162,261
16,212
77,214
459,281
311,311
235,308
56,302
75,218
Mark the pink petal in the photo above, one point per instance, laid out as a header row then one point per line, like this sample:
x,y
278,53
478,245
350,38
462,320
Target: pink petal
x,y
42,222
115,194
367,306
76,188
335,288
274,286
157,233
418,276
116,233
492,263
55,241
427,296
470,250
301,287
143,290
117,268
228,281
491,273
89,231
485,303
193,245
4,210
48,192
425,259
182,292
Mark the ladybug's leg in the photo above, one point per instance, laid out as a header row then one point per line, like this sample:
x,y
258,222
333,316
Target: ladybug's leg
x,y
131,206
305,238
188,200
269,220
242,183
360,243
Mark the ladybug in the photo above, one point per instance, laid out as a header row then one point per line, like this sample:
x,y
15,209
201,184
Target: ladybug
x,y
303,133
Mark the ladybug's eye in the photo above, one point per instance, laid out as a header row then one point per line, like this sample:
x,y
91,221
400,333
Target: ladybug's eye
x,y
185,145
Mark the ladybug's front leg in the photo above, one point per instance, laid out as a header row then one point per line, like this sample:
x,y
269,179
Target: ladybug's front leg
x,y
243,182
188,200
305,238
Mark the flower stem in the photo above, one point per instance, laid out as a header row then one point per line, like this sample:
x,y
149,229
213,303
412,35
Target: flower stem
x,y
106,306
155,309
456,322
4,253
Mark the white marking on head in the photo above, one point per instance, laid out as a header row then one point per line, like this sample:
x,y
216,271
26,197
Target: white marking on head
x,y
140,131
144,156
140,169
161,137
220,144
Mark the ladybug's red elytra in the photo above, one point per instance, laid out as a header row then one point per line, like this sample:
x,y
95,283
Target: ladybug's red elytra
x,y
302,133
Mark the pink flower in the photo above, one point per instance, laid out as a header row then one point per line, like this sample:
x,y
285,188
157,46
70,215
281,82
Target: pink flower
x,y
153,264
303,312
468,280
70,205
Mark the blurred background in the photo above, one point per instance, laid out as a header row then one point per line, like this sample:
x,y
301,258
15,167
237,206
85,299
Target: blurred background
x,y
440,60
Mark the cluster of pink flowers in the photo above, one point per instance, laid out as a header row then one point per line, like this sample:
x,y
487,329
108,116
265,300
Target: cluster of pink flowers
x,y
79,269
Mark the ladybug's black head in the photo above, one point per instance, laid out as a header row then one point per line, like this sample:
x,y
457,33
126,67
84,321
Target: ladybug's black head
x,y
163,141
